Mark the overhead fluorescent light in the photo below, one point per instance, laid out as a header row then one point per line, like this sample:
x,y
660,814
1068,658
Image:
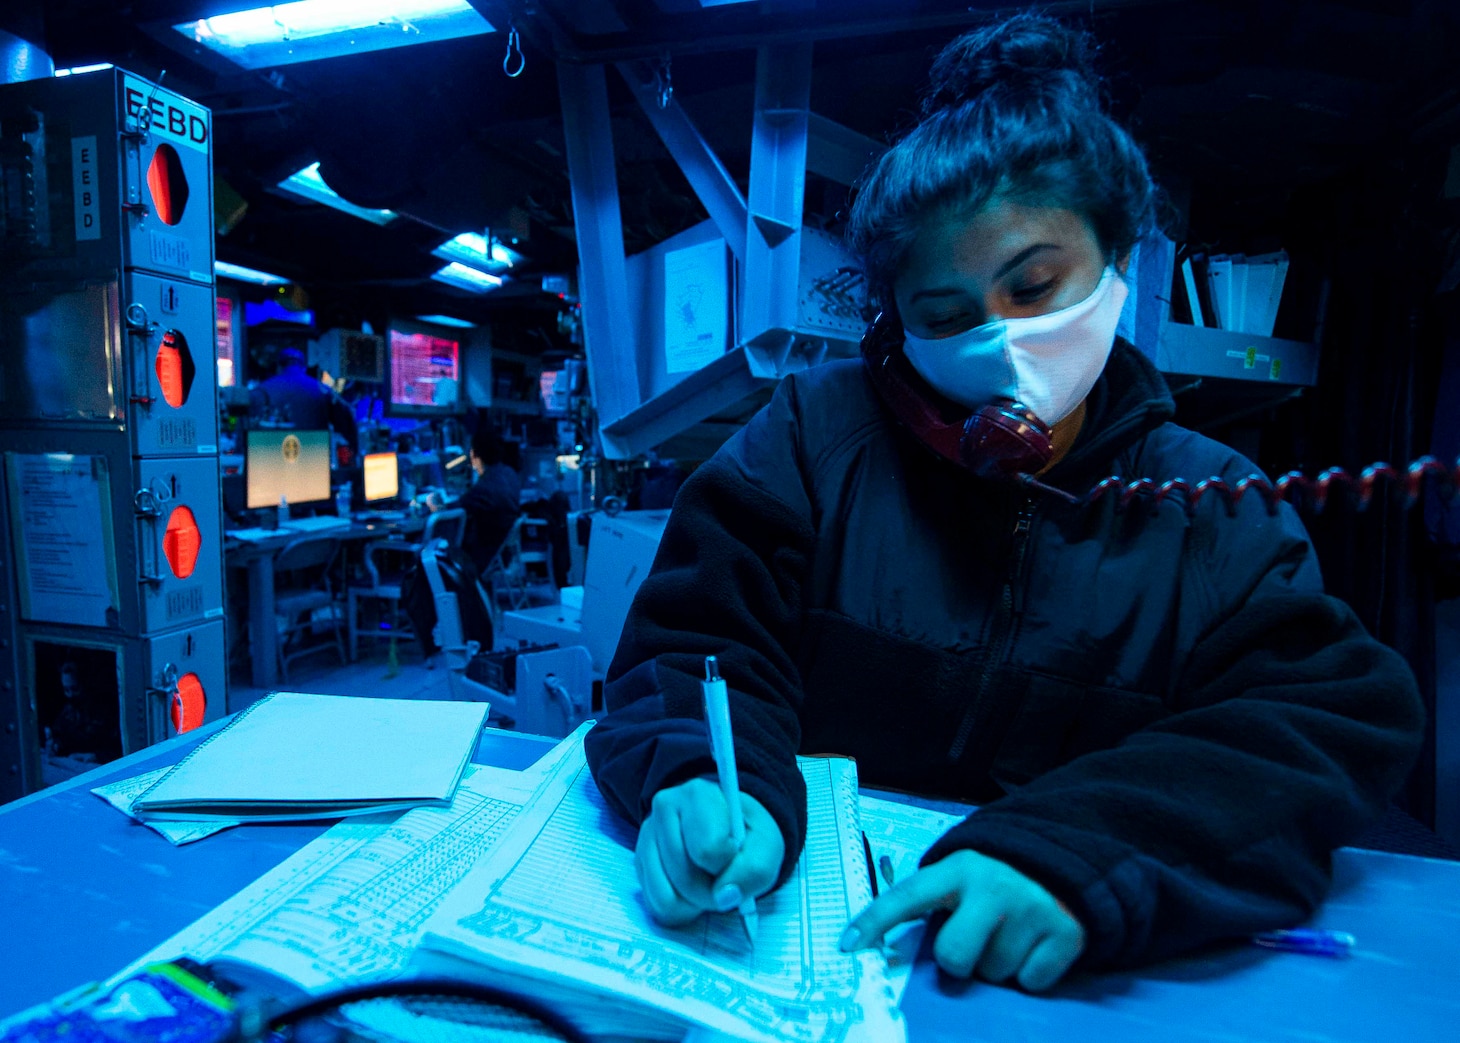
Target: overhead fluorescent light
x,y
309,185
468,278
447,320
311,29
79,70
236,271
470,248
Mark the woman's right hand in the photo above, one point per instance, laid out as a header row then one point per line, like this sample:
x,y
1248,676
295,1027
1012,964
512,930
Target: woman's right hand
x,y
686,861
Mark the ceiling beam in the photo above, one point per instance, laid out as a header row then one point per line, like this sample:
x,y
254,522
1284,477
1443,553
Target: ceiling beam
x,y
747,26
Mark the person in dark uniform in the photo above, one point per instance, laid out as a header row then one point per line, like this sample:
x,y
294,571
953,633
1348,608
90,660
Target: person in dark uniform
x,y
493,502
304,402
1168,725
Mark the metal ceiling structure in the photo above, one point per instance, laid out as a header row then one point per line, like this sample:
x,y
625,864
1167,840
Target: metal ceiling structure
x,y
1250,95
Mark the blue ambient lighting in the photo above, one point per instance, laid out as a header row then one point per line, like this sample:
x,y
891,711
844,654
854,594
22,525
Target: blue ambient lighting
x,y
236,271
447,320
80,70
467,278
256,312
471,249
309,185
311,29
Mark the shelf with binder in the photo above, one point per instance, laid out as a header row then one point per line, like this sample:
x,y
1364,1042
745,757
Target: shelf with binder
x,y
1205,352
1175,306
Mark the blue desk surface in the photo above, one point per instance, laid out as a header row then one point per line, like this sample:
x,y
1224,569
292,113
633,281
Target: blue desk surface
x,y
83,891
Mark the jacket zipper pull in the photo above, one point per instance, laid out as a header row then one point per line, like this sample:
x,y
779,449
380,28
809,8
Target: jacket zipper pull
x,y
1010,607
1022,525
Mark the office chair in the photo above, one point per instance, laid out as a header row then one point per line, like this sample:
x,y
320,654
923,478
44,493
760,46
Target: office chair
x,y
514,574
386,562
302,585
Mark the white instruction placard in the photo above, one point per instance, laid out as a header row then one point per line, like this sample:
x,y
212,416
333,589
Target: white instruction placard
x,y
63,538
696,306
85,187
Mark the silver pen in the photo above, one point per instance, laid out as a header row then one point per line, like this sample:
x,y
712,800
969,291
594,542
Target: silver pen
x,y
722,745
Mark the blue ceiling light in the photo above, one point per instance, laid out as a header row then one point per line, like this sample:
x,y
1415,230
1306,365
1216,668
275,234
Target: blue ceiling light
x,y
308,185
224,270
307,30
81,70
467,278
469,248
447,320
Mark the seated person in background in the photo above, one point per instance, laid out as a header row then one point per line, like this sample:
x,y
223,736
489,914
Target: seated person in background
x,y
492,503
301,400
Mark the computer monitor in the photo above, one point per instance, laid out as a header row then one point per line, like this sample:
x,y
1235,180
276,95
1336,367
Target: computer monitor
x,y
287,465
425,371
226,336
381,477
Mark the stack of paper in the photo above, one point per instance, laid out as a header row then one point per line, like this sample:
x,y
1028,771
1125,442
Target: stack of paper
x,y
350,905
556,912
120,795
526,881
297,756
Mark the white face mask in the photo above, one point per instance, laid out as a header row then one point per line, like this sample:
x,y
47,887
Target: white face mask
x,y
1048,362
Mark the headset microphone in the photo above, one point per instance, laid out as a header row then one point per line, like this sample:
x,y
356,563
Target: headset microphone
x,y
1001,440
1004,440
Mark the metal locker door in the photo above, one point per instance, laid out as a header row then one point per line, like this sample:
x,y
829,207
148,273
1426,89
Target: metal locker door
x,y
59,351
186,680
170,363
179,542
167,183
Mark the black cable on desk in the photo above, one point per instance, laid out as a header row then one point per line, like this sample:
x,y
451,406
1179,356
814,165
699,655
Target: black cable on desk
x,y
478,1002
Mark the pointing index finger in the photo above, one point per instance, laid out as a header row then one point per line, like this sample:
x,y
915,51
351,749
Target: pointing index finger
x,y
934,887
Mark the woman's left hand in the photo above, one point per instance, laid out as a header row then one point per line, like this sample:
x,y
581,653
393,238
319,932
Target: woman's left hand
x,y
1003,925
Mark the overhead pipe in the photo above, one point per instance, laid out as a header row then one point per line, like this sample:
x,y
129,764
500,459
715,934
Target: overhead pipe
x,y
22,34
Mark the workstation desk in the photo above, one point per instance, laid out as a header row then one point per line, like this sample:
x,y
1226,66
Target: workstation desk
x,y
257,556
84,891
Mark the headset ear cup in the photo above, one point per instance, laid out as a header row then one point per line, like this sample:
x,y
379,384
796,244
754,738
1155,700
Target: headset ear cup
x,y
1004,440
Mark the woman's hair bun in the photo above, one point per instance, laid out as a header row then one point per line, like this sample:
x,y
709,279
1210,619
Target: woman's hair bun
x,y
1029,54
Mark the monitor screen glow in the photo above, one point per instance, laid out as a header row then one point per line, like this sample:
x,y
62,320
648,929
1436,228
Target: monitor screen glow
x,y
424,371
223,333
382,476
287,465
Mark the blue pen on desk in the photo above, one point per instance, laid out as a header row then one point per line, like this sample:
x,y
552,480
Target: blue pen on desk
x,y
722,745
1308,940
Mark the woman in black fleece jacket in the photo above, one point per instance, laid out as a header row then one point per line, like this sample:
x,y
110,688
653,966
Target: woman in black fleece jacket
x,y
1168,724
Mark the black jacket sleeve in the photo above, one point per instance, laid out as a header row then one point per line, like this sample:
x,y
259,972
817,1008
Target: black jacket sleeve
x,y
727,582
1292,729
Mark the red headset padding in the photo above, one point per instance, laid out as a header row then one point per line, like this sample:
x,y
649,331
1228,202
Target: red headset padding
x,y
1000,440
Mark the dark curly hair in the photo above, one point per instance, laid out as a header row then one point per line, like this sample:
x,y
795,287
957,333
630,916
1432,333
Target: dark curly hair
x,y
487,445
1012,111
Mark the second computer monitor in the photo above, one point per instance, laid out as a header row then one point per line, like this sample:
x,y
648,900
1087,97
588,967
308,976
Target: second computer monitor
x,y
287,465
425,370
382,477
